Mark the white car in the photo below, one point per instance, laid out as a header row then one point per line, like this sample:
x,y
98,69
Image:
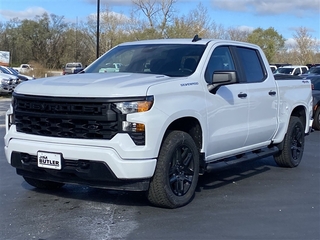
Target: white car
x,y
8,83
291,70
72,68
10,70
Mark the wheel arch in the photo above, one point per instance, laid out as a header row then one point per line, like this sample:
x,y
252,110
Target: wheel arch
x,y
316,115
189,125
301,112
316,105
192,126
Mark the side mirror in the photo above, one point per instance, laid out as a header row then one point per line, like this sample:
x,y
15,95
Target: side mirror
x,y
222,78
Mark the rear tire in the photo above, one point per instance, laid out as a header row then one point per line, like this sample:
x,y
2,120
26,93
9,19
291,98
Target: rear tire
x,y
316,119
176,175
43,184
293,145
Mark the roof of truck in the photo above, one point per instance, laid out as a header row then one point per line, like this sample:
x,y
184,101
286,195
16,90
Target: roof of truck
x,y
201,41
293,66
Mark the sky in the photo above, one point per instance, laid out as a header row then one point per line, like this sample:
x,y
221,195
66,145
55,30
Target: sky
x,y
285,16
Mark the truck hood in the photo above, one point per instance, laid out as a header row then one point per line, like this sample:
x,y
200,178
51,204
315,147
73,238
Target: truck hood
x,y
92,85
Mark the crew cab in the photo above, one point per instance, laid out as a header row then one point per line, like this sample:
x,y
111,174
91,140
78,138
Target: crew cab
x,y
174,107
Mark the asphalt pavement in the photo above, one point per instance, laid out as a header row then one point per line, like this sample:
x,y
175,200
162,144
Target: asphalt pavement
x,y
251,201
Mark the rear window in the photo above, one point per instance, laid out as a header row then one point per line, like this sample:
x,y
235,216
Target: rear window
x,y
73,65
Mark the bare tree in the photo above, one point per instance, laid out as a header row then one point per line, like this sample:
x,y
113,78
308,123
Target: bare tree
x,y
305,46
113,27
217,31
197,21
237,34
159,13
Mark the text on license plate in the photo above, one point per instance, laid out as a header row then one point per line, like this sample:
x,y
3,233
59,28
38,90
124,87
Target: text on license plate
x,y
49,160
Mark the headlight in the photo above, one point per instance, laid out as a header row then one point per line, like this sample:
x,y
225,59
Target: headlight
x,y
136,106
5,80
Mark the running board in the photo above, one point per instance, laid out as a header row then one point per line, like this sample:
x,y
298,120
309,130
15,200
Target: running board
x,y
250,156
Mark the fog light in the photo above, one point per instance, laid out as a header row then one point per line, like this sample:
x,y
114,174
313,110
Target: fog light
x,y
25,158
132,127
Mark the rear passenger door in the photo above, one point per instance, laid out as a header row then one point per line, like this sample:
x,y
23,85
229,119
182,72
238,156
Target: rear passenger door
x,y
262,97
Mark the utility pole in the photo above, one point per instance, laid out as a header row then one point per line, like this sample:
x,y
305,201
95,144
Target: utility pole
x,y
98,26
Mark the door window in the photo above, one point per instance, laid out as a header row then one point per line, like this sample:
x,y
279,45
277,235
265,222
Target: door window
x,y
297,71
220,60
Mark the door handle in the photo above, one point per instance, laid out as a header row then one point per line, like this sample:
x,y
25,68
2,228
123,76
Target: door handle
x,y
272,93
242,95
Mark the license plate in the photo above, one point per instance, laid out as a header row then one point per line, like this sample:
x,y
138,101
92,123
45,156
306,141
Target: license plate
x,y
49,160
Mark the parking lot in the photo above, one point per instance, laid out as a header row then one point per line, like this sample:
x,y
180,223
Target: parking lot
x,y
255,200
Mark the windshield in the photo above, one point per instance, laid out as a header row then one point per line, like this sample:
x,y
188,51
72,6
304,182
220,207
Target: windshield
x,y
284,70
4,70
315,70
165,59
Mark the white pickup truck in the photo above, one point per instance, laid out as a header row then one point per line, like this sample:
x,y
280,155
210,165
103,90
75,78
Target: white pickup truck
x,y
174,107
24,68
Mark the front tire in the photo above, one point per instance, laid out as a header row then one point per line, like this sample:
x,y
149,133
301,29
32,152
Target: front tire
x,y
293,145
43,184
176,175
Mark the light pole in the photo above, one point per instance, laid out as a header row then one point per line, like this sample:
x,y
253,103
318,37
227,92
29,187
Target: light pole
x,y
98,26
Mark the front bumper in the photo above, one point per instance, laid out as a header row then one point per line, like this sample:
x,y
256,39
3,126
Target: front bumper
x,y
87,165
84,172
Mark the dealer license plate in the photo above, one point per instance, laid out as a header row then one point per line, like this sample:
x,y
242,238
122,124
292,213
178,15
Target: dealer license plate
x,y
49,160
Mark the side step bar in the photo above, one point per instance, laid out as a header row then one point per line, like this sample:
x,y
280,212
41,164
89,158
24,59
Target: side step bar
x,y
250,156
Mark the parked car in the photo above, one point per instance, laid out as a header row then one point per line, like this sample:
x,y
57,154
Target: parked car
x,y
312,71
111,67
7,83
292,70
310,65
315,81
12,71
72,68
24,68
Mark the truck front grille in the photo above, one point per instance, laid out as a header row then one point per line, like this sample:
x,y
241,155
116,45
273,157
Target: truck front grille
x,y
83,118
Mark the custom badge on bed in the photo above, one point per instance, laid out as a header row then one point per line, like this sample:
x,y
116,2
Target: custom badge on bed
x,y
49,160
